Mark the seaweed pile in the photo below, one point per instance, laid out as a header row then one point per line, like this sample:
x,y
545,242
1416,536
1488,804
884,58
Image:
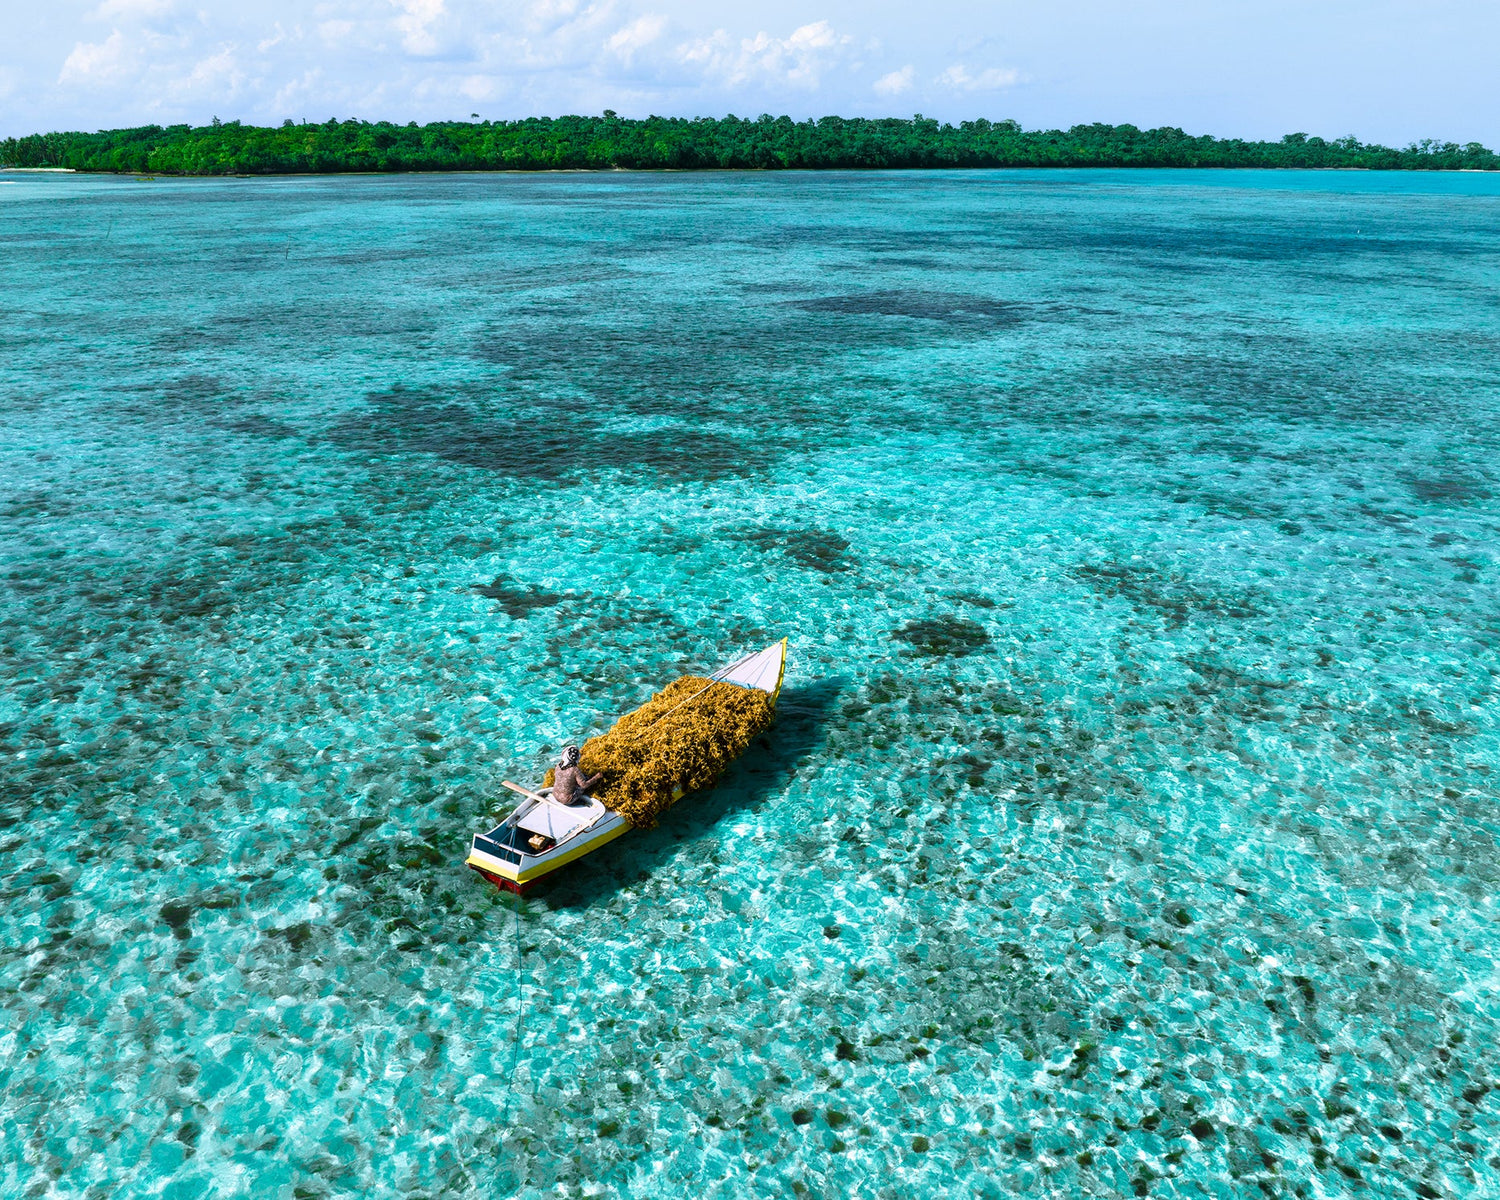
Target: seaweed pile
x,y
676,742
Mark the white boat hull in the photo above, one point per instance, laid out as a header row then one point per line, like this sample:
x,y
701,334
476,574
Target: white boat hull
x,y
516,870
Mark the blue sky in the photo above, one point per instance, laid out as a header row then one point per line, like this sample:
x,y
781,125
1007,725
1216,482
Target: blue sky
x,y
1387,70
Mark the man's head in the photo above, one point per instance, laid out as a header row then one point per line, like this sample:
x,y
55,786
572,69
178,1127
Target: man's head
x,y
569,757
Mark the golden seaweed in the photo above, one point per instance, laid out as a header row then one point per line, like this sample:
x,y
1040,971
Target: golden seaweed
x,y
677,742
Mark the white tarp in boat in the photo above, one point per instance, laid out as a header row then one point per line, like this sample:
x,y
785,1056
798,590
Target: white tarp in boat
x,y
559,821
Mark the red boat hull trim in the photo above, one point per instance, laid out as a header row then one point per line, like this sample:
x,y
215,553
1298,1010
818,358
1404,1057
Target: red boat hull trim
x,y
520,889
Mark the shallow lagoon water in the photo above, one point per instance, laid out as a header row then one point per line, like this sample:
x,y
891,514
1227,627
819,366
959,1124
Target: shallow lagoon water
x,y
1129,827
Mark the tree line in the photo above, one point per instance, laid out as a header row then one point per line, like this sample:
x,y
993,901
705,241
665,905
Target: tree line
x,y
765,143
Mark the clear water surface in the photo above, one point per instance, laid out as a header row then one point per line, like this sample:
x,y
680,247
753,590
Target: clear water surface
x,y
1130,825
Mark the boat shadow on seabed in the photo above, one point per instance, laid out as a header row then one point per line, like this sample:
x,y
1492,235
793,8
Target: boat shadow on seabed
x,y
765,769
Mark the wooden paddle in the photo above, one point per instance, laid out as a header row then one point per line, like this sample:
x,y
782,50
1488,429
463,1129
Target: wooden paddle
x,y
516,787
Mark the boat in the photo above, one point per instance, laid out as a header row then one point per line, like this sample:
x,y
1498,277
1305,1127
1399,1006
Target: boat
x,y
541,835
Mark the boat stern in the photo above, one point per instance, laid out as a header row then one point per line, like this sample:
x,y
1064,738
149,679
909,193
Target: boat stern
x,y
499,864
516,871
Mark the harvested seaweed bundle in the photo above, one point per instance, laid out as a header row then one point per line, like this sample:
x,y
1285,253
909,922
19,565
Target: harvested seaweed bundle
x,y
675,743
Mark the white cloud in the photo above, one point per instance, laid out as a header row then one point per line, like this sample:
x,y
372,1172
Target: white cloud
x,y
552,36
478,87
94,62
639,34
113,10
170,61
550,12
548,17
415,25
424,60
296,93
958,78
796,61
896,82
215,78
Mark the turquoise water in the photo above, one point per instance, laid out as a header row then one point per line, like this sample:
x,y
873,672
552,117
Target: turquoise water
x,y
1129,827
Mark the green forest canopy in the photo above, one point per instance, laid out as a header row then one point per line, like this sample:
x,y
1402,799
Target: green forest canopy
x,y
608,141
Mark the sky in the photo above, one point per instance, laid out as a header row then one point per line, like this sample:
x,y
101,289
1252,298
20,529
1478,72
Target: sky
x,y
1390,71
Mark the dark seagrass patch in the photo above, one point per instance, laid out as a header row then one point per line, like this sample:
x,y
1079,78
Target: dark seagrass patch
x,y
556,442
817,549
518,602
943,637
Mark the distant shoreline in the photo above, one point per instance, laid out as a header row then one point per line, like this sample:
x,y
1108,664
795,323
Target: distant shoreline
x,y
611,143
152,176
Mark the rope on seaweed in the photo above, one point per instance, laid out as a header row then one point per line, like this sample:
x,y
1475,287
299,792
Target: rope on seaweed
x,y
716,677
712,679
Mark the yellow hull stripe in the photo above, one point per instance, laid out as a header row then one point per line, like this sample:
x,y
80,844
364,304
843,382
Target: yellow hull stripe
x,y
551,865
496,867
493,865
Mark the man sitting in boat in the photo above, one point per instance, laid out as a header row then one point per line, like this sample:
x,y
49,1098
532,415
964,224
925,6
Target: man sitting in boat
x,y
569,784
